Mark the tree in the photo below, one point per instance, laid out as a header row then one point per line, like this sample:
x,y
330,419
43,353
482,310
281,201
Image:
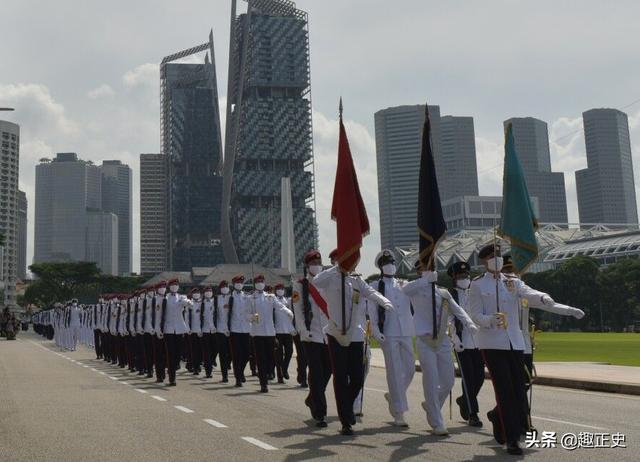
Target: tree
x,y
58,282
619,286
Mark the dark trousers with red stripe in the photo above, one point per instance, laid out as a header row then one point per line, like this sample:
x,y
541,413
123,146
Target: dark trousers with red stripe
x,y
173,344
263,351
317,356
208,348
195,349
283,353
139,353
473,372
348,376
147,346
240,350
224,354
160,358
301,360
506,370
97,343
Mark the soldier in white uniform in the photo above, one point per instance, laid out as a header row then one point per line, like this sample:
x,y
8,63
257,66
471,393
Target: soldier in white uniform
x,y
222,317
346,337
310,310
263,313
208,328
147,323
160,351
494,303
471,363
285,330
239,322
195,328
74,325
173,327
432,342
397,331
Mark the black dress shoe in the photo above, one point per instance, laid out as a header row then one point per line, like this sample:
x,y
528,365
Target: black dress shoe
x,y
321,424
208,376
285,375
244,379
172,384
497,427
238,384
149,376
264,389
346,430
280,380
462,404
225,380
304,385
474,421
514,449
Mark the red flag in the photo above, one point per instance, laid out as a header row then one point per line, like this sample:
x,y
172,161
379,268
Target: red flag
x,y
348,209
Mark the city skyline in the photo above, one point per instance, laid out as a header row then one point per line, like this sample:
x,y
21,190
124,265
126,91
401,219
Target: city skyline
x,y
108,108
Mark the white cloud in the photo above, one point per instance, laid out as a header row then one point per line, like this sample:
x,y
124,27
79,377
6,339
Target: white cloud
x,y
143,75
103,91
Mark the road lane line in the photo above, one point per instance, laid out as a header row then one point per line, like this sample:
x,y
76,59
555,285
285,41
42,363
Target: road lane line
x,y
259,443
567,423
184,409
375,389
215,423
159,398
94,369
112,377
140,390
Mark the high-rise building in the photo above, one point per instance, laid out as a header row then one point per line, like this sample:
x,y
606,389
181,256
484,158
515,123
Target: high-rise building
x,y
192,146
116,198
398,146
458,174
102,240
475,212
606,188
9,168
21,235
268,133
532,146
68,196
153,213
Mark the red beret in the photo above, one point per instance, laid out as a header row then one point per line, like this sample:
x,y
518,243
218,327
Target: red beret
x,y
237,278
161,284
258,277
223,283
194,290
333,254
279,286
311,255
173,281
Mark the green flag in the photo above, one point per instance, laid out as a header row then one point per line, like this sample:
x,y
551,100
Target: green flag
x,y
518,223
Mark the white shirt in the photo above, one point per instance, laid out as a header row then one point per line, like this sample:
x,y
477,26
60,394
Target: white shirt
x,y
148,327
263,309
319,320
397,323
421,298
284,323
174,321
222,324
158,316
482,305
206,308
193,315
74,316
468,340
356,290
240,313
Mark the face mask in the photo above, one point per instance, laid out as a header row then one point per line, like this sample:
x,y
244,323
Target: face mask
x,y
141,297
260,286
389,270
150,294
224,290
196,296
101,300
208,294
238,286
280,293
315,269
495,263
173,289
162,290
463,283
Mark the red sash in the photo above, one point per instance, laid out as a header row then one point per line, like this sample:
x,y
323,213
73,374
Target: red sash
x,y
320,301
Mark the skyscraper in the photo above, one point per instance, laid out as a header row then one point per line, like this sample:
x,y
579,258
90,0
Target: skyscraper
x,y
606,188
457,158
116,198
192,144
153,213
68,195
268,133
532,145
21,235
9,169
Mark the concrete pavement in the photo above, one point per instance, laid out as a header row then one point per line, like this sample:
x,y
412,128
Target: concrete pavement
x,y
68,406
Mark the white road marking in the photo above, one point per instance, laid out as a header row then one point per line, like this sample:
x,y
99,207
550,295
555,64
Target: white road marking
x,y
140,390
567,423
94,369
101,372
184,409
84,365
215,423
159,398
375,389
112,377
259,443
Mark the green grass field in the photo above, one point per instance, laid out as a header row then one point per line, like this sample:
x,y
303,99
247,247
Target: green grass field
x,y
618,349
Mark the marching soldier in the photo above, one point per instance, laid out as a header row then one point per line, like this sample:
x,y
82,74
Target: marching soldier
x,y
239,322
148,333
195,328
285,331
208,323
471,363
265,307
432,343
395,329
173,327
494,306
310,310
222,315
346,336
160,351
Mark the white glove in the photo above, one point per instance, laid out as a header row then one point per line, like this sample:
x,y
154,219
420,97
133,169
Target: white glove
x,y
457,345
293,332
547,300
227,333
389,306
379,336
160,336
430,276
577,313
472,328
200,334
305,336
153,332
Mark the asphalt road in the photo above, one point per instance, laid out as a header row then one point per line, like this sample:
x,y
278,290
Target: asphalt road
x,y
68,406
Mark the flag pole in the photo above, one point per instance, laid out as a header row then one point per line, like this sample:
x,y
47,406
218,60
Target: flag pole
x,y
344,310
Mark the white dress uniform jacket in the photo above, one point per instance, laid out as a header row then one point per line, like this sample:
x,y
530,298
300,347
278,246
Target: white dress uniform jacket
x,y
482,305
159,299
148,327
223,313
284,322
468,340
174,319
240,313
264,308
193,315
206,308
397,323
319,319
